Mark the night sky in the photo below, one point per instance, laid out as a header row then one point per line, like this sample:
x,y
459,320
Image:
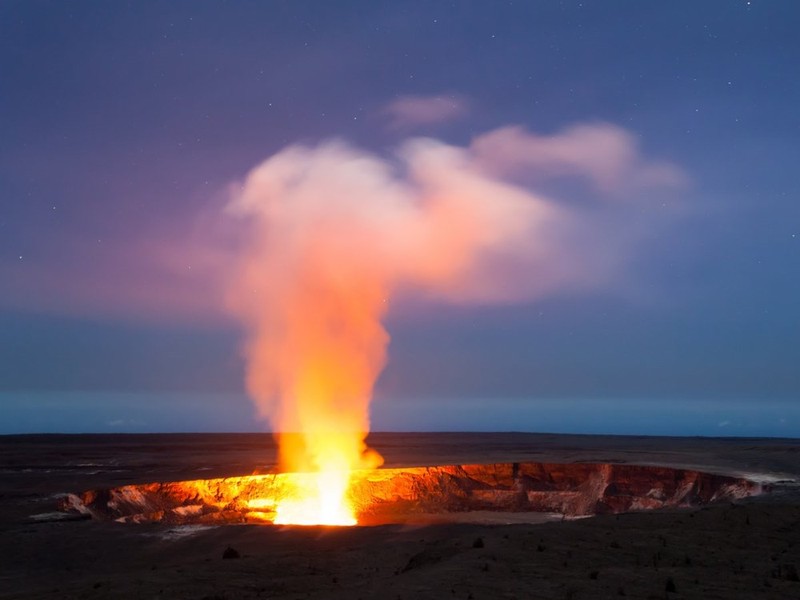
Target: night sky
x,y
124,126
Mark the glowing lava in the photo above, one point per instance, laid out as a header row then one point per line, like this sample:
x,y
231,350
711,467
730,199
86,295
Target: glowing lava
x,y
319,491
317,499
409,494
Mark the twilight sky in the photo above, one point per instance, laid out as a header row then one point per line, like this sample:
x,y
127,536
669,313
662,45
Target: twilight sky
x,y
668,132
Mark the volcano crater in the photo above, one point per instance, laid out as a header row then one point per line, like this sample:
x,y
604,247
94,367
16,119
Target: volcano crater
x,y
400,495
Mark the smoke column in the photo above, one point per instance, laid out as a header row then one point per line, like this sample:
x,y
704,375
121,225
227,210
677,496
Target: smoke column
x,y
332,233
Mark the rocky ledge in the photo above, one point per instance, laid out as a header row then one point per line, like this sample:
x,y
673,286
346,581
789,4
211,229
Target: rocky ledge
x,y
395,495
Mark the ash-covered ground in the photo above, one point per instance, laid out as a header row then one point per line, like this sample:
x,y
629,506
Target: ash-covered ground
x,y
746,549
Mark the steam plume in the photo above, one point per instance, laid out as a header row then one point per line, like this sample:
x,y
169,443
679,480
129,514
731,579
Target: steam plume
x,y
333,233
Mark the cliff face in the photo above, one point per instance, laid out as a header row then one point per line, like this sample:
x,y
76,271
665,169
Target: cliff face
x,y
394,495
578,489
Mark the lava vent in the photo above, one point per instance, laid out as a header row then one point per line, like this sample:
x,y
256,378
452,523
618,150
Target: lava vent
x,y
399,495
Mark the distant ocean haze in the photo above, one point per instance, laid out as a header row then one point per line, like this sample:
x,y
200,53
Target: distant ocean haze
x,y
149,412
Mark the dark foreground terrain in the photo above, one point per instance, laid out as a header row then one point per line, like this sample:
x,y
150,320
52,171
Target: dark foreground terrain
x,y
746,549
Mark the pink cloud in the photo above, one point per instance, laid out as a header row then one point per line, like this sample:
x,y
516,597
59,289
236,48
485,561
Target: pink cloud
x,y
454,222
143,276
411,111
603,153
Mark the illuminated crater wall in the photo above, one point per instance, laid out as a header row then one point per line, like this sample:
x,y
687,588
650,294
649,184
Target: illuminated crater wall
x,y
397,495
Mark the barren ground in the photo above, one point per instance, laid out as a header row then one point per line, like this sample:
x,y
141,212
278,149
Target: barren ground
x,y
750,549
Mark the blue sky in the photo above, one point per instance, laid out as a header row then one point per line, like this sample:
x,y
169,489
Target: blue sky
x,y
125,125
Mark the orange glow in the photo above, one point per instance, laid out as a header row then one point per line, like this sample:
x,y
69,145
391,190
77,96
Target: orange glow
x,y
305,499
333,237
412,494
330,351
321,499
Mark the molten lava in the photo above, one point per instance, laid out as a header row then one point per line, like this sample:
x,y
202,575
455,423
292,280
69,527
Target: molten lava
x,y
316,499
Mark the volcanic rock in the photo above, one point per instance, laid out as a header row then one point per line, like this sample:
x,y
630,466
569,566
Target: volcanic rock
x,y
392,495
